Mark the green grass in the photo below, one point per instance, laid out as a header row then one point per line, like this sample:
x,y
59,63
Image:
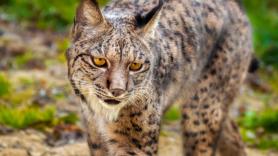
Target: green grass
x,y
173,114
261,141
18,110
5,85
271,78
268,142
263,15
23,59
43,14
260,129
267,119
70,118
24,117
63,45
35,117
51,14
58,15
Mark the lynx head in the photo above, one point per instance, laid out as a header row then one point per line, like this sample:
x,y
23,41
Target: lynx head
x,y
110,62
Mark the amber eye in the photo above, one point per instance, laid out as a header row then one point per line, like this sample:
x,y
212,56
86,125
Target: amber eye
x,y
135,66
100,62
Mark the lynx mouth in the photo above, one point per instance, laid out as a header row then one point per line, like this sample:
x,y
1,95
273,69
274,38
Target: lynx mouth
x,y
112,102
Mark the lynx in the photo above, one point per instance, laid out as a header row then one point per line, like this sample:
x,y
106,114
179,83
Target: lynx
x,y
130,61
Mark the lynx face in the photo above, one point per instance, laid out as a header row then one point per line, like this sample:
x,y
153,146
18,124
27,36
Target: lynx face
x,y
109,60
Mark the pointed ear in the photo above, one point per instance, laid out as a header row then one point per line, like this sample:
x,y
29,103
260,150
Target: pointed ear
x,y
147,23
89,13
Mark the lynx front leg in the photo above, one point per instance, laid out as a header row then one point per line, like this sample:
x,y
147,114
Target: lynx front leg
x,y
135,132
96,143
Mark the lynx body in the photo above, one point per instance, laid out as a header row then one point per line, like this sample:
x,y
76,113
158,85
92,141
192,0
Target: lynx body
x,y
130,61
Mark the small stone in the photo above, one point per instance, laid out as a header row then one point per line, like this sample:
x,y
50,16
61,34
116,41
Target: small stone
x,y
13,152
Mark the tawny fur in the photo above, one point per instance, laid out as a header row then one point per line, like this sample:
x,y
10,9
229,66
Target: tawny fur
x,y
193,52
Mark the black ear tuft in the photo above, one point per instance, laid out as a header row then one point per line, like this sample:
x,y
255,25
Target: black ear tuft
x,y
141,21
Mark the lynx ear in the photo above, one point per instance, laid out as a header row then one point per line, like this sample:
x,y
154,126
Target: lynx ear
x,y
147,23
89,12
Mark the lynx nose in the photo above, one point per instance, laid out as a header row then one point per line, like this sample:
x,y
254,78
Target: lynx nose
x,y
117,92
117,82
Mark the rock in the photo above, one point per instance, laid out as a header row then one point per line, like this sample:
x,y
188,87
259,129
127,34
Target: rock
x,y
1,32
77,149
65,134
5,130
29,140
256,83
13,152
13,44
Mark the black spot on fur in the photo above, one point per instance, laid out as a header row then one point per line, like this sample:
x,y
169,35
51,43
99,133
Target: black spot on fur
x,y
131,153
136,143
95,146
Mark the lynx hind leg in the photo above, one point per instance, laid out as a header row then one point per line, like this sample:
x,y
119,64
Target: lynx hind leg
x,y
229,141
205,122
205,113
202,116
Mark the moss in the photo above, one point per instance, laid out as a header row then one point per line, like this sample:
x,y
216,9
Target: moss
x,y
265,35
51,14
36,117
23,117
268,142
5,86
22,60
173,114
26,82
50,62
266,119
260,129
20,98
271,78
262,141
17,109
63,45
70,118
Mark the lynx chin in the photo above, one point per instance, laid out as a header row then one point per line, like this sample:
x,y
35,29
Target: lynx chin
x,y
130,61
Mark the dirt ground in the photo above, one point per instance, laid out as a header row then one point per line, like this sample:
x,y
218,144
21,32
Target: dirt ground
x,y
32,143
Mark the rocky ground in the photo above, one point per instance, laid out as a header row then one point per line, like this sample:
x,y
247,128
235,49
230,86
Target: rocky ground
x,y
31,142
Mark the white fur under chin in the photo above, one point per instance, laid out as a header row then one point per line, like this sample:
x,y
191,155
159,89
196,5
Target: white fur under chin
x,y
103,110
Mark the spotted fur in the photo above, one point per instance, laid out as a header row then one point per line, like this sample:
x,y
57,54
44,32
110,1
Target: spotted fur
x,y
193,52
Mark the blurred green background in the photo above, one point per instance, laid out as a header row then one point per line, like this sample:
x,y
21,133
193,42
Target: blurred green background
x,y
58,15
259,127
